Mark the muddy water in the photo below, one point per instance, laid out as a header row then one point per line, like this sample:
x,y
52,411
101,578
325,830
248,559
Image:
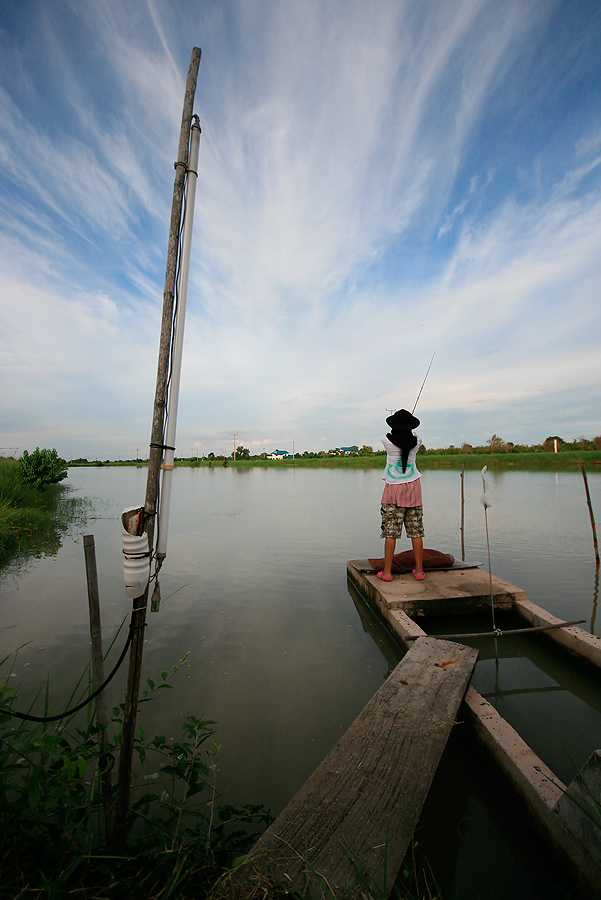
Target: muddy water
x,y
281,655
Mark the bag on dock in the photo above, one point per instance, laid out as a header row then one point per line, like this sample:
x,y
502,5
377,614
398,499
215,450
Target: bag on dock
x,y
405,561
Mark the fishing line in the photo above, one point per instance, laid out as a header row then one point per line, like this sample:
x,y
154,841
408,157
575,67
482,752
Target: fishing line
x,y
486,504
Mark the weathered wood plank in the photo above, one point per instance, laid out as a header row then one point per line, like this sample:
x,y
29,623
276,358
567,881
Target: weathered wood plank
x,y
351,823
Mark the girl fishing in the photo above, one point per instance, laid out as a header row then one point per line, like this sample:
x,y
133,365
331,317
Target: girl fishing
x,y
402,496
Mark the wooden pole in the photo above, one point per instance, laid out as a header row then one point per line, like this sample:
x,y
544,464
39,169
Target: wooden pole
x,y
462,513
98,678
155,457
95,630
590,511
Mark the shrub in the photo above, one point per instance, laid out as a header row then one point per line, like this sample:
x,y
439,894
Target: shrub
x,y
42,468
52,840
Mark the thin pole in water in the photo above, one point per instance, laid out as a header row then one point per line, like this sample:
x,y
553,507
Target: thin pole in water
x,y
462,513
486,505
590,512
89,550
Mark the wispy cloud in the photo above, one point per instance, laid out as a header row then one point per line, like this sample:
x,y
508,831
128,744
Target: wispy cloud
x,y
366,196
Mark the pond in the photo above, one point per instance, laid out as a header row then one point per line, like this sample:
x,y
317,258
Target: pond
x,y
282,655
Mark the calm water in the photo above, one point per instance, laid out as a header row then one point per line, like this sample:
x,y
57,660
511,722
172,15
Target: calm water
x,y
283,656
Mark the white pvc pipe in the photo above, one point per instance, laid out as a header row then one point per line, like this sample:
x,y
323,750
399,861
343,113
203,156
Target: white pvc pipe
x,y
178,343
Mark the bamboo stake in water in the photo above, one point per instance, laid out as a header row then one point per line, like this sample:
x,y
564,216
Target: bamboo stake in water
x,y
462,513
98,679
590,511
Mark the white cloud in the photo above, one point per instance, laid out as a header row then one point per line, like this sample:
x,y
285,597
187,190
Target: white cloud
x,y
356,210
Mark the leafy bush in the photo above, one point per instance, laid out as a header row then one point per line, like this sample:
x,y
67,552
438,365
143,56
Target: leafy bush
x,y
42,468
33,520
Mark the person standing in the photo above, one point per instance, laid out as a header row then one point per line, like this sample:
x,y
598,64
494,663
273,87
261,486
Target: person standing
x,y
402,496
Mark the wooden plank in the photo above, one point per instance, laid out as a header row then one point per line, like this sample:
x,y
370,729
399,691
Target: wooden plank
x,y
364,565
351,823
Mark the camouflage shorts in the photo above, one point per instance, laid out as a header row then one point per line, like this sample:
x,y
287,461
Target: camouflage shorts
x,y
394,516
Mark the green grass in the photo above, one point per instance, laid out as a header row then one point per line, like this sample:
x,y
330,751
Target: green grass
x,y
32,520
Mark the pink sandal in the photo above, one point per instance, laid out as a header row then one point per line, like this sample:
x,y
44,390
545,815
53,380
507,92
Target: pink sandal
x,y
419,577
383,577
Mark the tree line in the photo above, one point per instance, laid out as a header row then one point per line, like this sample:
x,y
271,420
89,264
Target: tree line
x,y
494,444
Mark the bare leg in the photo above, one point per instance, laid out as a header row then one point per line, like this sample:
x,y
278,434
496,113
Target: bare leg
x,y
418,553
389,546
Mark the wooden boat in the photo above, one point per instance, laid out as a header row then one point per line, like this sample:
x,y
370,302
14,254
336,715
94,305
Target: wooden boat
x,y
568,817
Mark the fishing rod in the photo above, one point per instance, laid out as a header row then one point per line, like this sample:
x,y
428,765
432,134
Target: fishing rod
x,y
423,383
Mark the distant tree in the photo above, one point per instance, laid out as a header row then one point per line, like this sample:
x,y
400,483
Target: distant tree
x,y
495,443
466,448
210,455
242,453
366,450
549,443
597,442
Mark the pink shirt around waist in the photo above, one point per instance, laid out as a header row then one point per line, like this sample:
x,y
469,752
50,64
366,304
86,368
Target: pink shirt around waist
x,y
409,494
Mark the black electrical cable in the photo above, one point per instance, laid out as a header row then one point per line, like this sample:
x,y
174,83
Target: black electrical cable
x,y
69,712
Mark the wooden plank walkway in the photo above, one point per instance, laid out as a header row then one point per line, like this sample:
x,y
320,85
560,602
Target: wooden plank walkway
x,y
351,823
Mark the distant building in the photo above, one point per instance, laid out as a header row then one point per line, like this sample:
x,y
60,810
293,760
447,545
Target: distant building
x,y
280,454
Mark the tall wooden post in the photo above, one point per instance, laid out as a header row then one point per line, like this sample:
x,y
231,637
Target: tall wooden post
x,y
155,458
590,512
462,513
98,679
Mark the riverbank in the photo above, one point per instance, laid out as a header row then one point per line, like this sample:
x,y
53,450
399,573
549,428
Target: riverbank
x,y
28,517
429,459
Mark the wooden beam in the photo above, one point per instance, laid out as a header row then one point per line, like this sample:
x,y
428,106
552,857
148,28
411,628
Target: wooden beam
x,y
351,823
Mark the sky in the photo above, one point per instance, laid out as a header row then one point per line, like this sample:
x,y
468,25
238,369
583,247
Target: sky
x,y
381,184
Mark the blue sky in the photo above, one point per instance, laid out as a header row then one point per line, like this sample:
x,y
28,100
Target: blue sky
x,y
378,181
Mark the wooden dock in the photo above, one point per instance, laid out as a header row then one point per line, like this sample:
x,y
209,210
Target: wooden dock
x,y
444,592
349,826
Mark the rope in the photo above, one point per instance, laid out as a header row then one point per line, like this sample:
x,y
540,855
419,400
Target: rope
x,y
69,712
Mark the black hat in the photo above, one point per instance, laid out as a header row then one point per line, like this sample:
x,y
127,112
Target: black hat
x,y
402,420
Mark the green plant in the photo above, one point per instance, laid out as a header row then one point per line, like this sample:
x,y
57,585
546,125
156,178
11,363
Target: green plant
x,y
42,468
33,520
51,810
